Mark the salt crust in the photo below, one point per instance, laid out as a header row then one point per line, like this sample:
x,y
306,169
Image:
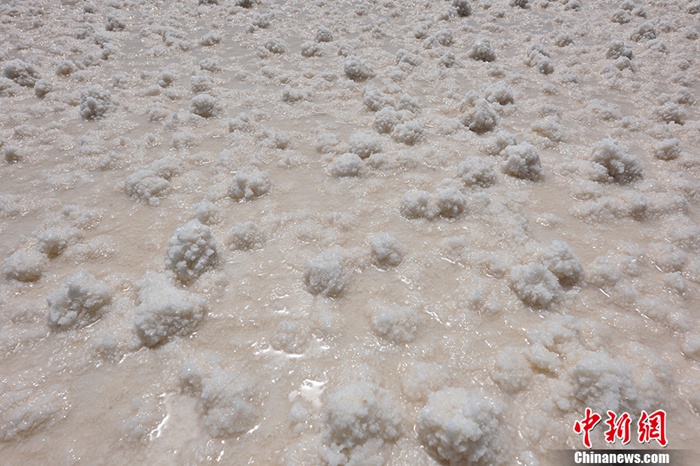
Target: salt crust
x,y
459,426
78,302
165,311
191,251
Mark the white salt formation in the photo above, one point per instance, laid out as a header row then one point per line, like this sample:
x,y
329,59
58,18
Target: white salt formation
x,y
460,426
95,102
224,399
164,311
386,250
326,274
617,164
535,285
358,413
78,302
24,265
191,251
246,186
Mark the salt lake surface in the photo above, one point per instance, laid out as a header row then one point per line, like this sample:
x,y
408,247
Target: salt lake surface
x,y
376,232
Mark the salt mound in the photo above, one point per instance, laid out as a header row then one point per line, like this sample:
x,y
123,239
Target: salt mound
x,y
460,426
619,166
386,250
24,265
165,311
248,186
603,383
246,236
21,72
522,161
535,285
95,102
192,251
397,324
475,171
417,203
224,400
325,274
480,117
358,412
78,302
205,106
347,165
563,263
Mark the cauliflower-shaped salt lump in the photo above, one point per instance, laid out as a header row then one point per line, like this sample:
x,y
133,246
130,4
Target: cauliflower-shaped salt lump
x,y
364,144
323,34
617,49
460,426
78,302
346,165
645,31
500,93
397,324
386,120
165,311
95,102
462,7
360,412
481,117
619,165
409,133
357,70
496,144
246,236
204,105
386,250
482,50
511,372
21,72
563,263
451,203
535,285
248,186
668,149
24,265
146,185
522,161
225,399
325,274
53,241
475,171
602,383
417,203
191,252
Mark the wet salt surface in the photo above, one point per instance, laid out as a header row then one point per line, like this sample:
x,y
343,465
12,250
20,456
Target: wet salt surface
x,y
377,196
